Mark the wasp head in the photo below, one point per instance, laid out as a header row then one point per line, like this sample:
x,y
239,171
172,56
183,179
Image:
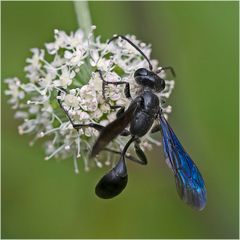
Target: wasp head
x,y
149,79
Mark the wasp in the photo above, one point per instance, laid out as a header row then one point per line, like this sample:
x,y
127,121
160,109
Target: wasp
x,y
142,112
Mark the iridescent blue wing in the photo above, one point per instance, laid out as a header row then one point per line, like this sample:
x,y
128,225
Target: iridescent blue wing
x,y
189,182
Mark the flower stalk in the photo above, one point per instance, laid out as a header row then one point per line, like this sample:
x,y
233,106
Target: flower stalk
x,y
84,22
83,16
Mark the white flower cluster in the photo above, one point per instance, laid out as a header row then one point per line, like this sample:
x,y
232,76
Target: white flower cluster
x,y
70,63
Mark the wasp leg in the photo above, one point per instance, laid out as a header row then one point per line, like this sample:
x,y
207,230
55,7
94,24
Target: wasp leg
x,y
115,181
141,155
77,126
156,128
96,126
167,68
119,113
126,89
128,156
126,92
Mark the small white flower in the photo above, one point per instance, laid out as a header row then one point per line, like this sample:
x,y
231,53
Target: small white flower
x,y
100,63
34,66
65,78
97,114
88,97
71,101
14,91
75,58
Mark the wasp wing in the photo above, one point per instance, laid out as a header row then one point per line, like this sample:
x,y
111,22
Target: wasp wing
x,y
114,128
189,182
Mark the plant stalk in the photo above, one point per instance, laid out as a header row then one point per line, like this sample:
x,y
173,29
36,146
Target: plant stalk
x,y
83,16
84,22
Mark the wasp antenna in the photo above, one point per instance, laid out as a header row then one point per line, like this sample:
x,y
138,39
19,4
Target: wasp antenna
x,y
167,68
136,47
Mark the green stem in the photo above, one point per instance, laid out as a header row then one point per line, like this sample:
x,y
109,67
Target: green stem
x,y
85,23
83,16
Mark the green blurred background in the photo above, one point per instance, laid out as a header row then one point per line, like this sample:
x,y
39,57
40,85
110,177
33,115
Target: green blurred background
x,y
47,200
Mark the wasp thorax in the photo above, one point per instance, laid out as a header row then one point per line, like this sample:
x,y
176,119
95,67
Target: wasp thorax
x,y
149,79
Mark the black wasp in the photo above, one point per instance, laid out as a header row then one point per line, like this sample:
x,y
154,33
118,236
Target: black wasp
x,y
140,115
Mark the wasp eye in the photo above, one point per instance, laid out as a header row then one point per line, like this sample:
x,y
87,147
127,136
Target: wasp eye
x,y
159,84
141,72
163,84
